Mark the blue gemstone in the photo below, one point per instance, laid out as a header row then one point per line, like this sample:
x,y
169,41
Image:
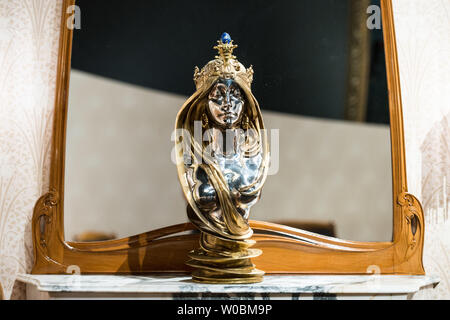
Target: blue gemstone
x,y
225,38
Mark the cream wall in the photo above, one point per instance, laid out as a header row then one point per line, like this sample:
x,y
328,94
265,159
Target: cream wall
x,y
120,178
423,41
29,33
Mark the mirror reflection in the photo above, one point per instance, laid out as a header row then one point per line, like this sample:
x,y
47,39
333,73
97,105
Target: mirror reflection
x,y
319,78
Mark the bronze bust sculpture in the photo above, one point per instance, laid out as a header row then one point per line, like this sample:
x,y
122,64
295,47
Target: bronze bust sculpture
x,y
222,160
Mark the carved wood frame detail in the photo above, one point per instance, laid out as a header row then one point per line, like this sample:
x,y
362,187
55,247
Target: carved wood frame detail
x,y
285,249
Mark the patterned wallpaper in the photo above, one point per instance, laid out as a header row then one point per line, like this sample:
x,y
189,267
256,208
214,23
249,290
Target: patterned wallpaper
x,y
29,33
423,41
28,55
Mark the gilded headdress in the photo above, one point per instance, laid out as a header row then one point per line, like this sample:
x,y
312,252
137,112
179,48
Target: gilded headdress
x,y
225,65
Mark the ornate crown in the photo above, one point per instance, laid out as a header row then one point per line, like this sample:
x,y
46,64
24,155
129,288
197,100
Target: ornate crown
x,y
224,65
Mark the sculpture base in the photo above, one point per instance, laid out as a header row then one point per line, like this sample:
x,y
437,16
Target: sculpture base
x,y
220,260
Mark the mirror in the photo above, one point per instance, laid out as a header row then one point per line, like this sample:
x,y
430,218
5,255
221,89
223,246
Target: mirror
x,y
320,80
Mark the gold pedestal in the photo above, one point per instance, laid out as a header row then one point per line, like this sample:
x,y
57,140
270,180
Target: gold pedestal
x,y
220,260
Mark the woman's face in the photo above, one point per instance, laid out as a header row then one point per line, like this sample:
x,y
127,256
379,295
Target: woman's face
x,y
225,103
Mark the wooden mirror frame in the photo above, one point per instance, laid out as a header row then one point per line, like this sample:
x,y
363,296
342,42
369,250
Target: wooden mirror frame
x,y
285,249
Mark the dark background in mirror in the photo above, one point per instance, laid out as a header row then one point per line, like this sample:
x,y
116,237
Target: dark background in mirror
x,y
315,63
299,49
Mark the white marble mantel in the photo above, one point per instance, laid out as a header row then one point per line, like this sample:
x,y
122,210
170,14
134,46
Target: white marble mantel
x,y
181,287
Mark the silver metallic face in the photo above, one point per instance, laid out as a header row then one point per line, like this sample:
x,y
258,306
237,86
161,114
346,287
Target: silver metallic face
x,y
225,103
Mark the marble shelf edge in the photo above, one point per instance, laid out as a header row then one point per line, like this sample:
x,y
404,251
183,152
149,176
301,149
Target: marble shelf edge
x,y
274,284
